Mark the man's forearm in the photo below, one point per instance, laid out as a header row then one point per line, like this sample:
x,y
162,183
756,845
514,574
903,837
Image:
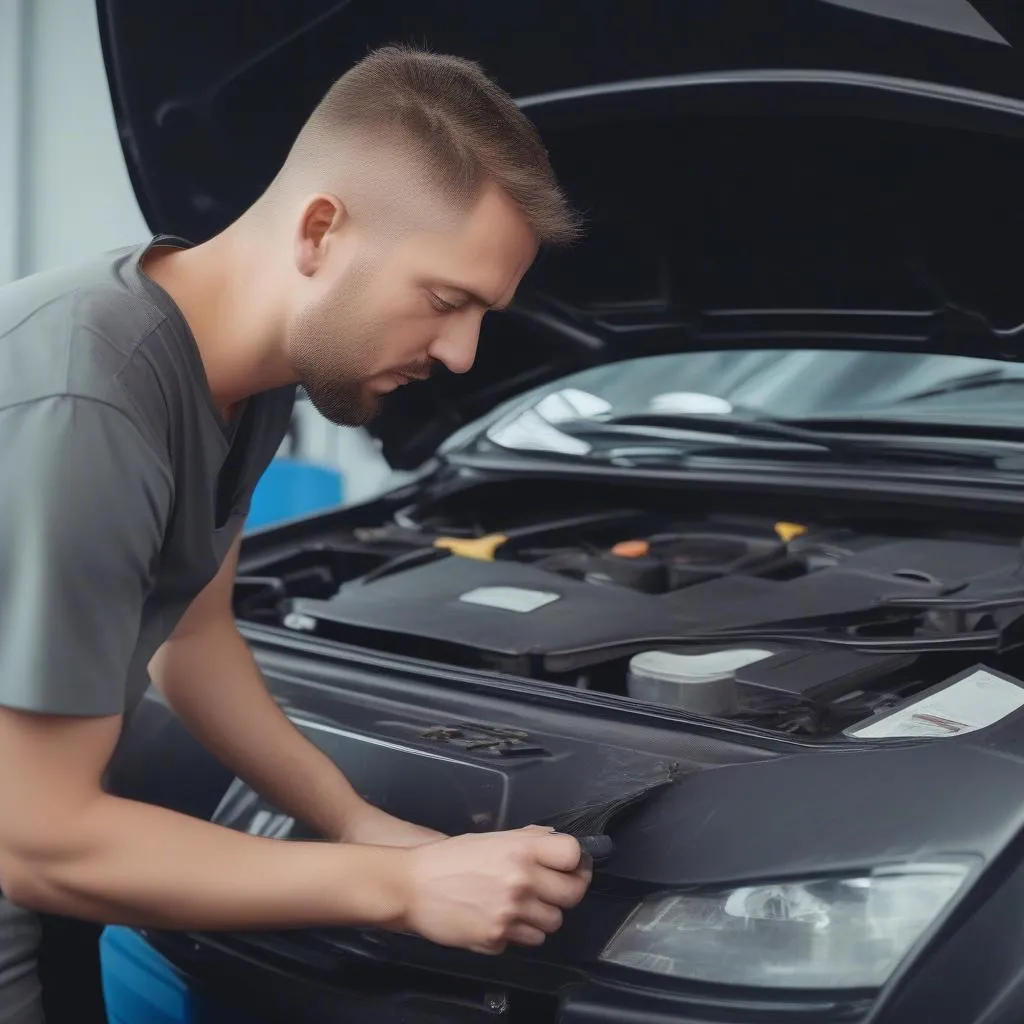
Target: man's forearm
x,y
214,685
131,863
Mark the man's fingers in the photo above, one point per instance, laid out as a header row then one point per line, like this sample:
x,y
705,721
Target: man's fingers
x,y
559,888
491,949
559,852
544,916
585,871
526,935
521,934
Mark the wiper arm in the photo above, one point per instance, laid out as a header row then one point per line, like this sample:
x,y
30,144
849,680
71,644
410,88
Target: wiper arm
x,y
737,426
651,454
622,440
968,382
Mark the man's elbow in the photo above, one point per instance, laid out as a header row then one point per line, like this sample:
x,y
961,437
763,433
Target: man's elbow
x,y
23,882
31,870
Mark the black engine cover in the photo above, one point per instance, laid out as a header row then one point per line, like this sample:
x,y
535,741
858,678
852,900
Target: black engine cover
x,y
506,613
524,618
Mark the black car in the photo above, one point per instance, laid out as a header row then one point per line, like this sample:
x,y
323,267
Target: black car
x,y
715,555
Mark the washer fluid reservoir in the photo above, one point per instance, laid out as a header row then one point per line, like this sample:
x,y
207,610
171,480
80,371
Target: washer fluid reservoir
x,y
704,684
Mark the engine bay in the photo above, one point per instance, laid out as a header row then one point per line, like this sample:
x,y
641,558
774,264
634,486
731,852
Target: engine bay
x,y
803,625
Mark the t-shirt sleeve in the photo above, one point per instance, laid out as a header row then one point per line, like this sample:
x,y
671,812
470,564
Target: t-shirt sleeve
x,y
84,500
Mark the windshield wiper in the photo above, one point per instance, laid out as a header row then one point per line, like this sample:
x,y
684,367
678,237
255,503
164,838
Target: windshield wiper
x,y
636,455
968,382
631,440
737,426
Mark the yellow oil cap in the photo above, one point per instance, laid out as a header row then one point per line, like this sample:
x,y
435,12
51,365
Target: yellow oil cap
x,y
787,531
481,548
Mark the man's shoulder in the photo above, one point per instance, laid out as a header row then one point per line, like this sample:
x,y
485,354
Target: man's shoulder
x,y
72,331
96,291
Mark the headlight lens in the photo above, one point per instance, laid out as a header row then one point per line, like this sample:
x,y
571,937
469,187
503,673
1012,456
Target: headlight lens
x,y
849,932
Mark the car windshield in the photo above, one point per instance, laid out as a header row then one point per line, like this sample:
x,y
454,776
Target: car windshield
x,y
757,389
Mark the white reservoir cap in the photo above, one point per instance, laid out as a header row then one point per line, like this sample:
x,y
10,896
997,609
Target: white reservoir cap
x,y
695,668
702,683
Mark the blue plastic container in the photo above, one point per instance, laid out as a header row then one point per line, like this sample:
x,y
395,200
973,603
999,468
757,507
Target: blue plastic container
x,y
291,488
141,987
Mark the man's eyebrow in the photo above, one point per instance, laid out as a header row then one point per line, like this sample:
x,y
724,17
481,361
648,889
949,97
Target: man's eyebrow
x,y
477,300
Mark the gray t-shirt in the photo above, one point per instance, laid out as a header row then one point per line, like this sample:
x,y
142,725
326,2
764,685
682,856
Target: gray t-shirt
x,y
121,486
121,490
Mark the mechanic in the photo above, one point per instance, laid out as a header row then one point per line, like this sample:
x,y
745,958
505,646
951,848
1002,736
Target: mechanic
x,y
141,397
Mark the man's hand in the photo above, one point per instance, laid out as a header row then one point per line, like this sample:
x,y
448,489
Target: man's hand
x,y
478,892
67,847
483,891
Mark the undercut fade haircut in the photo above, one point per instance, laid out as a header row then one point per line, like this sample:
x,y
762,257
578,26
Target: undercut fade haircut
x,y
454,121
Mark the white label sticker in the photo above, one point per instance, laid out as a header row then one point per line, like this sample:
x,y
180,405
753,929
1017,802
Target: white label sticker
x,y
509,599
974,702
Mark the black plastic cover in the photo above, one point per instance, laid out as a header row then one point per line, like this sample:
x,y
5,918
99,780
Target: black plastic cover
x,y
426,611
525,620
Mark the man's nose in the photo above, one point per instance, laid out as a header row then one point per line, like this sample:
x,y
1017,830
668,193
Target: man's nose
x,y
456,346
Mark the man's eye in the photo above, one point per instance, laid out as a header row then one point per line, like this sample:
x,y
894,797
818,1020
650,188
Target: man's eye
x,y
440,305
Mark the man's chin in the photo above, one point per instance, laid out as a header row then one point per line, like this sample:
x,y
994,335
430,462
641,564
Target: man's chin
x,y
353,411
362,417
367,416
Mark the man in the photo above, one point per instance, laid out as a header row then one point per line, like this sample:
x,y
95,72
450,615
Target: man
x,y
141,397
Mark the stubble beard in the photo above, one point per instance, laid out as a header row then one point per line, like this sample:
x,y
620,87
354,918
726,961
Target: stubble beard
x,y
334,348
331,350
346,405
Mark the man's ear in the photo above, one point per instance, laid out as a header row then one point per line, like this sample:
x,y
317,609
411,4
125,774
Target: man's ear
x,y
322,217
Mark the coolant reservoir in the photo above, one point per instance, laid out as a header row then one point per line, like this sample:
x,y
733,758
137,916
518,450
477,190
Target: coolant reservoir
x,y
702,683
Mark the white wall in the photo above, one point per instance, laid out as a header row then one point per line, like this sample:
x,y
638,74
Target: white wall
x,y
11,29
76,197
64,189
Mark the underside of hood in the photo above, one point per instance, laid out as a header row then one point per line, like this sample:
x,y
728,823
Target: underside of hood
x,y
818,173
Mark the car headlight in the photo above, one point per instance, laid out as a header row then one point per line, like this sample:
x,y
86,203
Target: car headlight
x,y
849,932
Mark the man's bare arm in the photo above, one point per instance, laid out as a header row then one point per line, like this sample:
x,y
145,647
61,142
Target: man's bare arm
x,y
68,847
75,551
210,679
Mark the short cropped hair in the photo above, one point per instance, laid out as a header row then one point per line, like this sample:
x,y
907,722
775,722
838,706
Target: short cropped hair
x,y
464,129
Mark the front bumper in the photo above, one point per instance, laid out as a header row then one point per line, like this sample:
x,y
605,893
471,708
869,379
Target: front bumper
x,y
175,979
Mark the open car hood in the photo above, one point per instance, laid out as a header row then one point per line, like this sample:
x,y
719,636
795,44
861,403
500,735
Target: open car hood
x,y
818,173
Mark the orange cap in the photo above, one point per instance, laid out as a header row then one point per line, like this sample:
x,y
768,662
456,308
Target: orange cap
x,y
631,548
